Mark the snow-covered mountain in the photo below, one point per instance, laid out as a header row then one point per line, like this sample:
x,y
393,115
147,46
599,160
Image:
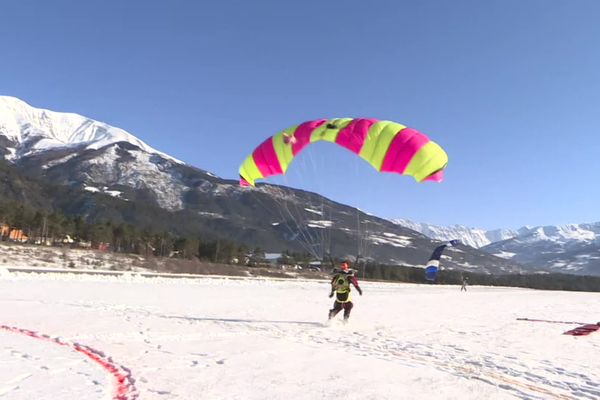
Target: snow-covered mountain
x,y
572,248
474,237
154,189
74,150
27,131
81,153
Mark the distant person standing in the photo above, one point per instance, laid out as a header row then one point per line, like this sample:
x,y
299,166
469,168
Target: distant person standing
x,y
465,280
340,285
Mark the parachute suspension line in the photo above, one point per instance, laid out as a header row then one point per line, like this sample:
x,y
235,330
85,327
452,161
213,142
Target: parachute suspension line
x,y
298,230
255,193
304,230
361,240
365,240
313,163
326,231
282,218
316,236
296,215
302,233
278,198
358,237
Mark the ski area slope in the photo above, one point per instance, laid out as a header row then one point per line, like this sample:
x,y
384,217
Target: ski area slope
x,y
163,338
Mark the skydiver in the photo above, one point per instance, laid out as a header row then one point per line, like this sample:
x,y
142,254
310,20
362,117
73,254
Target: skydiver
x,y
465,280
340,285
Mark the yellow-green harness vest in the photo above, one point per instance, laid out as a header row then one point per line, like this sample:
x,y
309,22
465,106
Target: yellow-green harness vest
x,y
341,285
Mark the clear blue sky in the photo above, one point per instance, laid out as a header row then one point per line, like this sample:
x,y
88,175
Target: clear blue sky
x,y
510,88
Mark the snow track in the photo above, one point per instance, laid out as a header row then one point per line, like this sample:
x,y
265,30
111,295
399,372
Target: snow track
x,y
505,372
208,339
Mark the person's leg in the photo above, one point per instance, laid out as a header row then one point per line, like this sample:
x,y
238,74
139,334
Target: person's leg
x,y
337,307
347,308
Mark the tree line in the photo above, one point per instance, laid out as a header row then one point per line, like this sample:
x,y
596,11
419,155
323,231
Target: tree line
x,y
42,226
51,226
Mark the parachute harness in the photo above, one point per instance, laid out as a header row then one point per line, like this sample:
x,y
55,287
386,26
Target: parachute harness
x,y
341,286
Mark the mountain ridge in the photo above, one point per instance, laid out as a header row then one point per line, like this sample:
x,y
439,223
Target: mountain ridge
x,y
96,161
572,248
474,237
33,130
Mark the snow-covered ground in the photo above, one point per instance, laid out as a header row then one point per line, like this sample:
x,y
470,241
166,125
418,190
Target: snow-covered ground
x,y
14,255
215,338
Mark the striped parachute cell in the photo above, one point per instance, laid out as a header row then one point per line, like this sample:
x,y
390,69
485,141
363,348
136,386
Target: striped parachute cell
x,y
388,146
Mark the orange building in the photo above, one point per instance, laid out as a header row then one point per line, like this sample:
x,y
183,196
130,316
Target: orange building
x,y
18,236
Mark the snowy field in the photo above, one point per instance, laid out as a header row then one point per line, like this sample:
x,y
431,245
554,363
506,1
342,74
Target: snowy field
x,y
14,255
74,337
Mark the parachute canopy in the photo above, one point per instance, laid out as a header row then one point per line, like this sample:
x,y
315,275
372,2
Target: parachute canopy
x,y
434,261
388,146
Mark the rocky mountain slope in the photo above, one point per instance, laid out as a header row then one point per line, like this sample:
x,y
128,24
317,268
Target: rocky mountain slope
x,y
110,174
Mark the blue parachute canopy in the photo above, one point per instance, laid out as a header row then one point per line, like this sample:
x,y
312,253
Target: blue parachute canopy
x,y
433,264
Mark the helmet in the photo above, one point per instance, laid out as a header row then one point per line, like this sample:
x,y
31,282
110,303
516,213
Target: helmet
x,y
289,139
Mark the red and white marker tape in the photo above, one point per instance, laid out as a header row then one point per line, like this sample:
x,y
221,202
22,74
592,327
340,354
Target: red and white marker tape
x,y
124,382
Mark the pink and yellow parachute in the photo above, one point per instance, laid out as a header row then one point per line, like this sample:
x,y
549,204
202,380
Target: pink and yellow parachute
x,y
386,145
